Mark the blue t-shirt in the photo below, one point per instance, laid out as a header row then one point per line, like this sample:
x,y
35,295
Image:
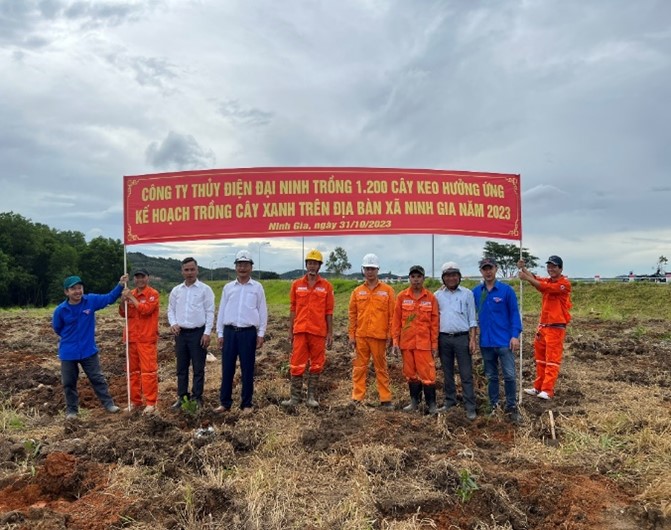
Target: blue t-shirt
x,y
498,315
75,324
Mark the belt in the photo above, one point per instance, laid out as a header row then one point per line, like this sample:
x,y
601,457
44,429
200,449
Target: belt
x,y
190,330
563,326
236,328
457,334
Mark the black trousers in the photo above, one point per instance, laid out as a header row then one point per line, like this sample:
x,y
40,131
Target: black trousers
x,y
189,352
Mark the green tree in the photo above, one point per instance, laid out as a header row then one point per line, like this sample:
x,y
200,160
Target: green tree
x,y
101,264
337,262
661,265
507,256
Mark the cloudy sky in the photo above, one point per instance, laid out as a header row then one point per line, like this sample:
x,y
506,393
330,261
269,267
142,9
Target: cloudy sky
x,y
571,94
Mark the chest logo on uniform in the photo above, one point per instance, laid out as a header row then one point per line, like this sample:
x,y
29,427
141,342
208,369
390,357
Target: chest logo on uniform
x,y
302,289
497,299
425,304
320,289
409,303
87,311
382,293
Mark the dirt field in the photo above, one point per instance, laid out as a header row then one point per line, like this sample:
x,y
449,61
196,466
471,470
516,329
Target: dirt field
x,y
340,466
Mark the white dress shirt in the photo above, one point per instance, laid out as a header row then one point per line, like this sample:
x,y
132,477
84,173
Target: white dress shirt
x,y
192,306
243,305
457,309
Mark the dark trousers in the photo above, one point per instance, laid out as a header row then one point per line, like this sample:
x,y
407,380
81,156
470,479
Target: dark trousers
x,y
242,344
189,352
451,349
70,375
491,358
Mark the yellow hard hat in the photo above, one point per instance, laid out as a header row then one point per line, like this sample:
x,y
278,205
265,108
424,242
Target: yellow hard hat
x,y
315,255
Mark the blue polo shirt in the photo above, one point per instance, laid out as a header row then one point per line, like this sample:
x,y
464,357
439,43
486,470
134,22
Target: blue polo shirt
x,y
498,315
75,324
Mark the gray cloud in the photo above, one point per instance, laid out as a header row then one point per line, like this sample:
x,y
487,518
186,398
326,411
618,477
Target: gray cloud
x,y
179,151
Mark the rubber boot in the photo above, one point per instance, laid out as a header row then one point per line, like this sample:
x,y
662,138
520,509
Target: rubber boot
x,y
415,388
296,391
313,379
430,396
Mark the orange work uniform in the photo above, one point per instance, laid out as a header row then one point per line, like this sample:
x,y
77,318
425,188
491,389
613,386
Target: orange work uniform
x,y
310,307
549,342
415,328
142,345
370,317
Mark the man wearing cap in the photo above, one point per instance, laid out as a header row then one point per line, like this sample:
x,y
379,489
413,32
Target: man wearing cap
x,y
457,337
241,326
555,316
74,322
415,333
500,327
141,306
191,318
310,328
371,308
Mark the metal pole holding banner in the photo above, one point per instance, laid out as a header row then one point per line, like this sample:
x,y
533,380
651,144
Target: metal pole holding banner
x,y
125,312
521,309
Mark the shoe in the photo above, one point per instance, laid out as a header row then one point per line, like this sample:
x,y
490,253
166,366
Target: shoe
x,y
495,411
247,411
113,409
71,416
531,391
514,416
210,358
543,395
221,409
386,406
471,415
149,409
177,405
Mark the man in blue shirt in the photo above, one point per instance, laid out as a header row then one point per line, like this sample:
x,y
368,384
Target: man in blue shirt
x,y
75,323
500,328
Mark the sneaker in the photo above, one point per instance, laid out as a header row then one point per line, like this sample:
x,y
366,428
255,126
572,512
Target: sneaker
x,y
471,415
514,416
210,358
149,409
543,395
494,411
386,406
177,405
531,391
71,416
221,409
247,411
113,409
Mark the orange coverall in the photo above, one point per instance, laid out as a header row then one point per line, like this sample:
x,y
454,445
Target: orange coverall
x,y
310,307
549,342
142,345
370,317
415,329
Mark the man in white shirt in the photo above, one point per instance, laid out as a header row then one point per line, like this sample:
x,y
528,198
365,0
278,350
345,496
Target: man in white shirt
x,y
241,325
191,317
457,337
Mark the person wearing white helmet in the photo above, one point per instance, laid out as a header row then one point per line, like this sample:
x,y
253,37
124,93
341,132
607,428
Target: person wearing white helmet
x,y
371,309
310,328
456,340
241,325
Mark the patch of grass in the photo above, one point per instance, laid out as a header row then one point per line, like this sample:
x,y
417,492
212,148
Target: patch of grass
x,y
467,486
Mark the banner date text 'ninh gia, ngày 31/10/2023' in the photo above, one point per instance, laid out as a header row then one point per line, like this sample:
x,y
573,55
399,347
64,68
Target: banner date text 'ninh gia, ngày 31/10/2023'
x,y
267,202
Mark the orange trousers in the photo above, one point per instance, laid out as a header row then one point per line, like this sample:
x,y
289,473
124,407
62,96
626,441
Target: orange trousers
x,y
419,365
307,347
548,350
143,364
366,348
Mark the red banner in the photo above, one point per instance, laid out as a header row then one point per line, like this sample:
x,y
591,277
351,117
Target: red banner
x,y
267,202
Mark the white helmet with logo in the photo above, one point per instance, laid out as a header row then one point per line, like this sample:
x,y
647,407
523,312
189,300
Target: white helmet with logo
x,y
370,260
244,255
449,267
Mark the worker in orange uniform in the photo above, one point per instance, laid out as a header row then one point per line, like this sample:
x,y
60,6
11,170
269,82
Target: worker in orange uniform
x,y
310,328
555,316
414,331
142,307
371,309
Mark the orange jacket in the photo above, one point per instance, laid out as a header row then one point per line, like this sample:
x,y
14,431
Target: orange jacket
x,y
143,319
556,300
416,322
310,306
371,311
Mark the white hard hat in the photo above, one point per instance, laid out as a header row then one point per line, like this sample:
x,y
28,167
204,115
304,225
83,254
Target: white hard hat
x,y
450,266
244,255
370,260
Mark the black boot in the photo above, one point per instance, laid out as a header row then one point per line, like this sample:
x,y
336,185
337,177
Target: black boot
x,y
415,388
430,396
